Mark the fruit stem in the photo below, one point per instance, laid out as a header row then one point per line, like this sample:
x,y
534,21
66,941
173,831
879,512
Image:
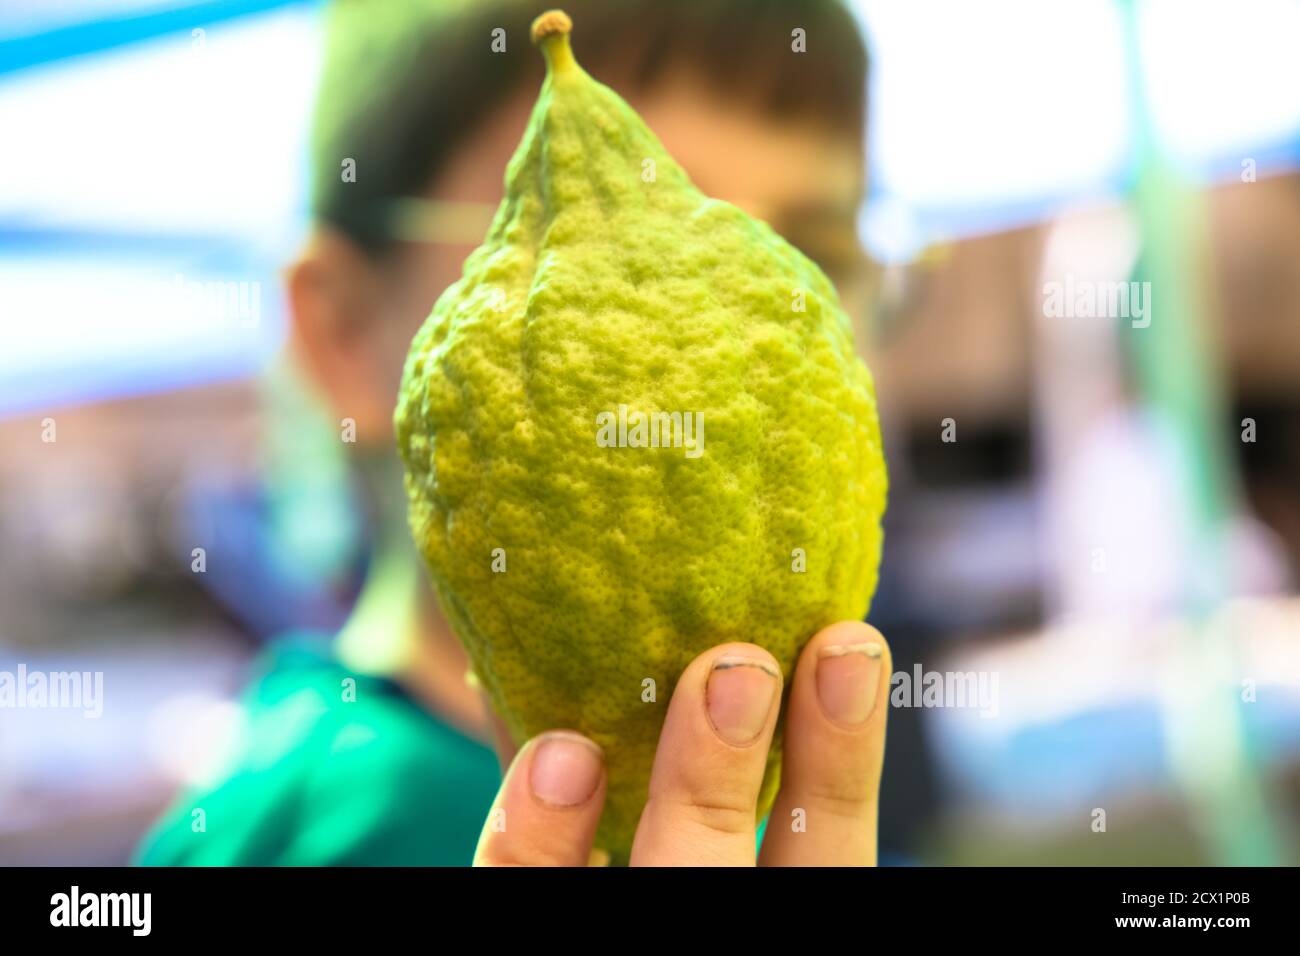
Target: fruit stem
x,y
550,31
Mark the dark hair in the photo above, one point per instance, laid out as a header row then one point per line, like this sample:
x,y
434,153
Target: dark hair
x,y
405,80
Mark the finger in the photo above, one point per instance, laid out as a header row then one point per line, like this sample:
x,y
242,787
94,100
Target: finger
x,y
825,814
708,769
548,806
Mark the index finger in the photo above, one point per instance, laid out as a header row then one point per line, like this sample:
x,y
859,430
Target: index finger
x,y
708,769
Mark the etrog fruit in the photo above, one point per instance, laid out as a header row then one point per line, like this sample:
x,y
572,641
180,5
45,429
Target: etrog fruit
x,y
634,429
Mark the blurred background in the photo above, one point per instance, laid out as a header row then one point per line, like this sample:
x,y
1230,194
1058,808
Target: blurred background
x,y
1095,498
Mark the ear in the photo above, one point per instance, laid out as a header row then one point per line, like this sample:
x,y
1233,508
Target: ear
x,y
335,301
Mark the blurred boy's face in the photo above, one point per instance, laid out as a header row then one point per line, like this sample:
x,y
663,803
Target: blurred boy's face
x,y
354,320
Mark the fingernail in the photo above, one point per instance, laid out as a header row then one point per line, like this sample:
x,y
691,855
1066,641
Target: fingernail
x,y
848,680
566,769
739,696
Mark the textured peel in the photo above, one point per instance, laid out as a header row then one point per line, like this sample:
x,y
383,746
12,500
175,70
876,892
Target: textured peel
x,y
607,279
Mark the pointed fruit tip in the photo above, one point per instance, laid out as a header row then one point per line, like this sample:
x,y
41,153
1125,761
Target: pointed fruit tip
x,y
550,31
549,24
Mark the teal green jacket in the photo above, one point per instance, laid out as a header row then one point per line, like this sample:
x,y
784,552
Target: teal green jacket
x,y
333,768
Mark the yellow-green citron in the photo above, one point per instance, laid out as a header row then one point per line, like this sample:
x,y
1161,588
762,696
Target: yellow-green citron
x,y
636,428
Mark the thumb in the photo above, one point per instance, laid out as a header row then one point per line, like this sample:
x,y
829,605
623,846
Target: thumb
x,y
549,804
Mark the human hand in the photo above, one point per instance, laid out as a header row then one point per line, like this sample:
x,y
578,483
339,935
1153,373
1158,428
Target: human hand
x,y
708,768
